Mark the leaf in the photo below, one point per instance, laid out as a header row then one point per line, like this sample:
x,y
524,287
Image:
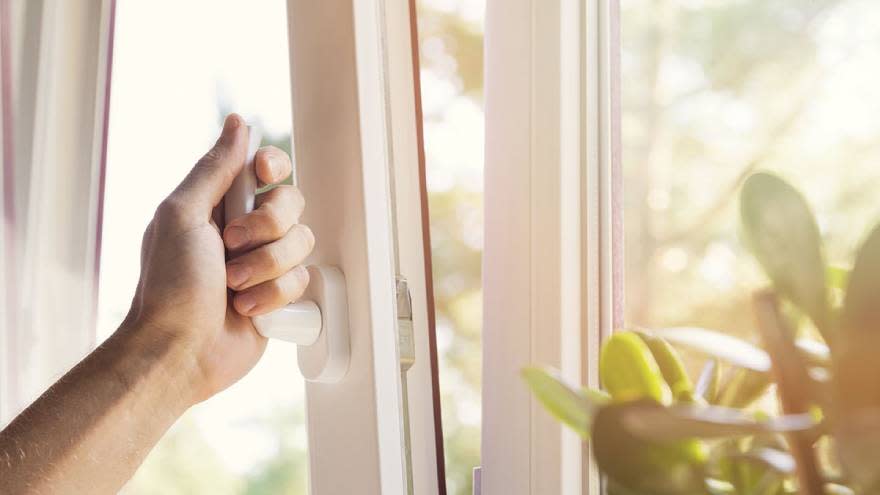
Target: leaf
x,y
759,470
777,460
743,387
572,407
644,466
858,368
709,381
857,441
856,385
662,424
671,367
629,371
814,352
725,347
837,277
835,489
782,233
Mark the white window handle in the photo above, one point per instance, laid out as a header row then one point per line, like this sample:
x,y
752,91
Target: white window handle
x,y
318,323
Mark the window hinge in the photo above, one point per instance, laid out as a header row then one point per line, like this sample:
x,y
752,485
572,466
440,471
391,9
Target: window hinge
x,y
405,342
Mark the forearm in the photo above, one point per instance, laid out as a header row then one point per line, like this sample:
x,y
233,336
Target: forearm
x,y
91,430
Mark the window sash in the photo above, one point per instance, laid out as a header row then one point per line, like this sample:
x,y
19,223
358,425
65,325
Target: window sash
x,y
356,147
552,213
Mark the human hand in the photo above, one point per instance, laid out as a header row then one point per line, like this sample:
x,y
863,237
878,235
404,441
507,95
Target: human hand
x,y
182,293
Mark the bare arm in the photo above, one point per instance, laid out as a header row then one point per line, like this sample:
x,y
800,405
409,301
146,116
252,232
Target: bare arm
x,y
185,338
92,429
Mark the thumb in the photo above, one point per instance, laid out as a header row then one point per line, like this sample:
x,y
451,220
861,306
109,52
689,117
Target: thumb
x,y
204,186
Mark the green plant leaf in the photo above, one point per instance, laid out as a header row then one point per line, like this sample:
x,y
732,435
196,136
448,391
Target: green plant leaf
x,y
774,459
718,345
782,233
858,369
837,277
709,381
815,353
743,387
856,377
757,471
645,466
671,367
629,371
653,422
574,408
835,489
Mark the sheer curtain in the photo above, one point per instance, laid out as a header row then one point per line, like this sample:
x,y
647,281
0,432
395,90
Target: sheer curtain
x,y
55,62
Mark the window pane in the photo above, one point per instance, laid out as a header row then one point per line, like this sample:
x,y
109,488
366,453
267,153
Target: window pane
x,y
451,44
713,91
179,67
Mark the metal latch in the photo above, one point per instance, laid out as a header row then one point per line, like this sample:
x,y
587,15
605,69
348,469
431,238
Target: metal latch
x,y
406,344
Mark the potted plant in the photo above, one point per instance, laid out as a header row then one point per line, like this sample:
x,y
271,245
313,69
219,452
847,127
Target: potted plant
x,y
798,414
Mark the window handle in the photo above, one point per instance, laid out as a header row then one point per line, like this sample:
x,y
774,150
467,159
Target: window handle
x,y
318,322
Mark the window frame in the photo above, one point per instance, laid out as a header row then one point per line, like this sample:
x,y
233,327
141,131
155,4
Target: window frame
x,y
354,77
553,212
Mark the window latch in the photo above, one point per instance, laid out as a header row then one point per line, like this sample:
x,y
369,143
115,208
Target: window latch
x,y
318,322
405,343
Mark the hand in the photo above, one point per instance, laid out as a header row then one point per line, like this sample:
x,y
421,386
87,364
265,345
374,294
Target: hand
x,y
182,294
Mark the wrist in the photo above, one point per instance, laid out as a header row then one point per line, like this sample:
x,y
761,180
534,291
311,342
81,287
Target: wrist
x,y
158,359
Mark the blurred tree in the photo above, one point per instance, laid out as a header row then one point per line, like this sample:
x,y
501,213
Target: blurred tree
x,y
713,90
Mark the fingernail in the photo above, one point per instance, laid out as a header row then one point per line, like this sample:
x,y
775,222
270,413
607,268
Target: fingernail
x,y
236,236
232,122
237,274
275,165
245,303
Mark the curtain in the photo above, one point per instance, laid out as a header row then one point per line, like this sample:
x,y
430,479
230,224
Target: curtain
x,y
56,59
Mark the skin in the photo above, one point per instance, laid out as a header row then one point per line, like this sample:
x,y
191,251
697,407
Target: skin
x,y
187,336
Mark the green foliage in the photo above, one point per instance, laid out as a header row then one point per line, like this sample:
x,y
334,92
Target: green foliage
x,y
629,371
726,434
671,367
783,235
573,407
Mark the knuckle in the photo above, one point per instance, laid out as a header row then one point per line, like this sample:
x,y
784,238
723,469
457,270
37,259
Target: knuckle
x,y
303,277
172,210
216,153
305,236
272,221
275,291
297,198
273,259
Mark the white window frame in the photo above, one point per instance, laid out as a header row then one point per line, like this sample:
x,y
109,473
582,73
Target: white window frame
x,y
57,59
552,277
356,140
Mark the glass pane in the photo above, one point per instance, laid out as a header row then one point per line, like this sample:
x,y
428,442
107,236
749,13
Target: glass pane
x,y
178,68
713,91
451,46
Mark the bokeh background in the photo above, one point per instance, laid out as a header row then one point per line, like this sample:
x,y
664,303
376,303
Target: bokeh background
x,y
714,90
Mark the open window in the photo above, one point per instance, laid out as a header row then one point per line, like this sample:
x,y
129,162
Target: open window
x,y
348,79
